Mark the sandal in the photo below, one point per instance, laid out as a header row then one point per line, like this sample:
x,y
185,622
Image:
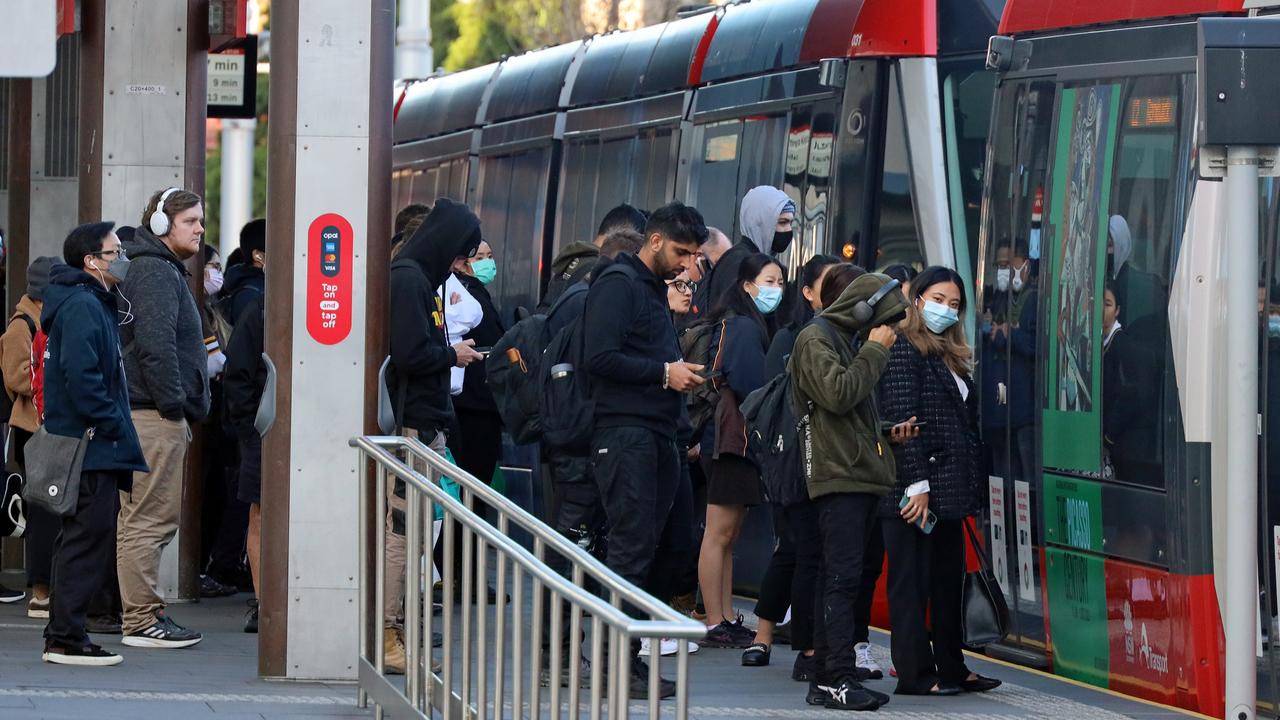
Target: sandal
x,y
756,655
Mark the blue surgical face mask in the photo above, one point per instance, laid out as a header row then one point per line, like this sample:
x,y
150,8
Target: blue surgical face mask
x,y
938,317
485,270
767,299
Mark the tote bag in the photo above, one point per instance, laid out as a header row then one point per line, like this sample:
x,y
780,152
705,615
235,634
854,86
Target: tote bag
x,y
985,615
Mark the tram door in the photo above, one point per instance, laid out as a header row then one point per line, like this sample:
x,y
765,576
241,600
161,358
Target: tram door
x,y
1009,339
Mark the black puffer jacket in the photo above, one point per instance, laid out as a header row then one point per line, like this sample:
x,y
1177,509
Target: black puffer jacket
x,y
420,353
948,452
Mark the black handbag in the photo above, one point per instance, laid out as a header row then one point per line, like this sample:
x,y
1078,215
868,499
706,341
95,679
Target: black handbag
x,y
985,614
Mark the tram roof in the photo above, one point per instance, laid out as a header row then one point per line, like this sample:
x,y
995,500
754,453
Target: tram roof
x,y
1026,16
532,83
443,104
648,61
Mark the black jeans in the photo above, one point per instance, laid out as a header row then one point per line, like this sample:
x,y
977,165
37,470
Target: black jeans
x,y
844,520
806,580
638,473
579,516
80,558
926,574
872,565
775,587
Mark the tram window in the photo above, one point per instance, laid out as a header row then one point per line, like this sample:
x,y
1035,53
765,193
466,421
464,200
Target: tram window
x,y
657,191
617,171
897,239
715,169
578,208
511,214
763,150
967,123
1141,237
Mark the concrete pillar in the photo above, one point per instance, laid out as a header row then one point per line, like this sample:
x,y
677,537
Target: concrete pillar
x,y
237,182
142,118
329,167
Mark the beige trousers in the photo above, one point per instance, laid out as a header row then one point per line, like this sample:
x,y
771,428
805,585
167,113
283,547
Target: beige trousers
x,y
149,516
396,560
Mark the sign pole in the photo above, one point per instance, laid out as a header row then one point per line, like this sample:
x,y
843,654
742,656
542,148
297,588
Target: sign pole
x,y
1241,596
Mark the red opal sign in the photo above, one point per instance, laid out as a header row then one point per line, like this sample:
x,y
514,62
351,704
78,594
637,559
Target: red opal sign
x,y
329,241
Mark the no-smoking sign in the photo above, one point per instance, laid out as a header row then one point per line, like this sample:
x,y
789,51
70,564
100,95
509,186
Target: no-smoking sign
x,y
329,241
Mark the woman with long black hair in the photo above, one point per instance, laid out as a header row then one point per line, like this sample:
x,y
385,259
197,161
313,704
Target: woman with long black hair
x,y
929,382
791,577
739,342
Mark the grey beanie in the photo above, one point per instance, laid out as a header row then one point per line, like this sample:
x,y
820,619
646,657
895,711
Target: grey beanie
x,y
38,276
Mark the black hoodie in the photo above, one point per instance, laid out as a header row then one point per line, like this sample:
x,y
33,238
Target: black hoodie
x,y
418,378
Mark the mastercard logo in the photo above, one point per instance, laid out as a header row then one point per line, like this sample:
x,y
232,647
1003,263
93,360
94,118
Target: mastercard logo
x,y
331,257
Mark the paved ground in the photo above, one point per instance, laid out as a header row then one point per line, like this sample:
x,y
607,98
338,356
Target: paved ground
x,y
217,680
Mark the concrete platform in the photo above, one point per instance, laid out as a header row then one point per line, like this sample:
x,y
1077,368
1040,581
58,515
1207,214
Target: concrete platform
x,y
217,679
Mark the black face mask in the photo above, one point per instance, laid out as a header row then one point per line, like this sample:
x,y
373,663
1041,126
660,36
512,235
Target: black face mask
x,y
781,241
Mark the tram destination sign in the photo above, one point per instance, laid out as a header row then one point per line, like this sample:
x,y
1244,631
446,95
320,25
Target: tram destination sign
x,y
233,80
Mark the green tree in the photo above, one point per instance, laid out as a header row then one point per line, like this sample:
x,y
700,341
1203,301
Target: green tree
x,y
213,176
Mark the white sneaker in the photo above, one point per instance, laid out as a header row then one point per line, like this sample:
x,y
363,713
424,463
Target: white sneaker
x,y
867,662
669,647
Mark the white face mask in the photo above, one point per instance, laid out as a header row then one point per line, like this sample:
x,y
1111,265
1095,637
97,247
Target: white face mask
x,y
1018,282
212,281
1002,279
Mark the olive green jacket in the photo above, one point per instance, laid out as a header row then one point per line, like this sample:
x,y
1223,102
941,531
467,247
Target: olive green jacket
x,y
845,452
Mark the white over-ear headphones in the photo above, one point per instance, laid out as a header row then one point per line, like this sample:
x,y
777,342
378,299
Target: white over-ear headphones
x,y
159,222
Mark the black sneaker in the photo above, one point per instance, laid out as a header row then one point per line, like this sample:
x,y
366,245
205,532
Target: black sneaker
x,y
163,633
848,695
639,689
724,635
90,655
11,596
741,631
251,618
103,624
211,588
805,669
584,673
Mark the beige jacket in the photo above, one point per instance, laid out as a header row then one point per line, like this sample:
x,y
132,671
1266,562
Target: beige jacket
x,y
15,362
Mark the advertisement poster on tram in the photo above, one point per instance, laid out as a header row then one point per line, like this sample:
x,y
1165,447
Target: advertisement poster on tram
x,y
1080,191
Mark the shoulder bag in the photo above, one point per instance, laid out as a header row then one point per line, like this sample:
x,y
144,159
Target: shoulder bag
x,y
54,464
985,614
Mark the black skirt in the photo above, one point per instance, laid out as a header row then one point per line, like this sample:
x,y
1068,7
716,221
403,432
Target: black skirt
x,y
733,480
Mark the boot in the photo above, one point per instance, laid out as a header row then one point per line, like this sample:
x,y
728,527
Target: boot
x,y
392,652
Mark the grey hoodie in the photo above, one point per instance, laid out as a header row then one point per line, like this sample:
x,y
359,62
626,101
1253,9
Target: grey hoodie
x,y
758,218
165,357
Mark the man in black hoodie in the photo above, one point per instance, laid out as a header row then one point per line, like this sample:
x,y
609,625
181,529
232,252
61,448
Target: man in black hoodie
x,y
248,279
168,371
418,377
637,381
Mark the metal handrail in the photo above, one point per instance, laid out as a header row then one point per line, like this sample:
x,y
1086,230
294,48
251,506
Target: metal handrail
x,y
693,630
673,625
612,627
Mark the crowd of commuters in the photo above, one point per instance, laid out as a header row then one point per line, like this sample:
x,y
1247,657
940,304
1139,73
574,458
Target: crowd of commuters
x,y
676,327
110,344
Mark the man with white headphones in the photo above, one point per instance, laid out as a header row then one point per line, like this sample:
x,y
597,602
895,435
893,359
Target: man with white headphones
x,y
167,368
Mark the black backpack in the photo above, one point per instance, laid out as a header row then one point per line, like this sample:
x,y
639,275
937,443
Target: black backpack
x,y
777,435
512,373
695,347
568,408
